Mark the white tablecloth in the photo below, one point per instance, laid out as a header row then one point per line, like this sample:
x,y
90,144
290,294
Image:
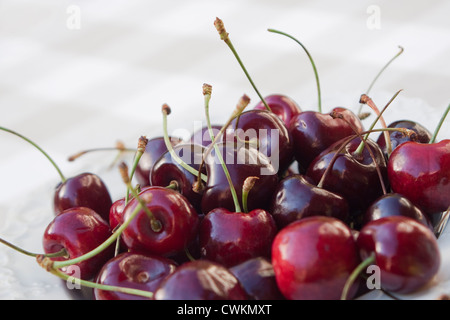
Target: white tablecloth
x,y
76,75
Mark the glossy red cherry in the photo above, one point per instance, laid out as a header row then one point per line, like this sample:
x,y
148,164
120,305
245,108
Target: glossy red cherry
x,y
313,257
257,277
200,280
312,132
78,230
172,226
154,149
241,161
202,136
281,105
296,197
132,270
83,190
230,237
421,173
405,250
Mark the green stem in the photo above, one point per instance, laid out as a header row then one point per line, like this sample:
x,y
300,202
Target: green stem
x,y
139,152
248,185
207,95
63,178
224,36
166,112
60,253
100,286
436,131
355,274
316,74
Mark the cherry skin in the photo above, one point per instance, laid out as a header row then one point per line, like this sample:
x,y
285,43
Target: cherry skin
x,y
354,176
267,132
313,257
312,132
166,170
84,190
116,213
177,219
405,250
200,280
241,162
230,237
202,136
296,197
283,106
421,173
154,149
257,277
132,270
394,204
78,230
397,138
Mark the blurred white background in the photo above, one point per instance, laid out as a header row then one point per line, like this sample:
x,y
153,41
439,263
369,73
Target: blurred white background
x,y
76,75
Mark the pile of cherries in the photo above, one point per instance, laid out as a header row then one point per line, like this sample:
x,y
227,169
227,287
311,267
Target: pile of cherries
x,y
276,203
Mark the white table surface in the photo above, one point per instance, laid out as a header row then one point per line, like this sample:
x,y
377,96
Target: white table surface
x,y
76,75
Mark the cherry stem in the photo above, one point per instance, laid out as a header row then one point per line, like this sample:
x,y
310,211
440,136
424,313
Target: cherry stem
x,y
207,89
319,99
338,115
367,100
355,274
119,147
63,178
248,185
436,131
220,27
379,74
166,111
240,107
142,143
100,286
99,248
60,253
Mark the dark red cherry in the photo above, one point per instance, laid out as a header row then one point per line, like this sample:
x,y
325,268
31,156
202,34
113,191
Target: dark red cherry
x,y
172,226
296,197
313,257
154,149
242,161
200,280
167,170
312,132
202,136
421,173
257,277
353,174
78,230
397,138
266,132
406,252
132,270
230,238
84,190
283,106
394,204
116,213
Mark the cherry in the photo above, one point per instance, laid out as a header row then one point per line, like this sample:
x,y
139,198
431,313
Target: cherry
x,y
394,204
281,105
78,231
166,171
313,257
229,237
257,277
296,197
165,225
83,190
132,270
154,149
405,250
397,138
200,280
353,173
267,132
202,136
